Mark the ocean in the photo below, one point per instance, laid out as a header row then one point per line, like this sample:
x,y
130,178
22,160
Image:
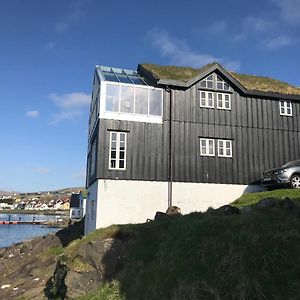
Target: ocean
x,y
10,234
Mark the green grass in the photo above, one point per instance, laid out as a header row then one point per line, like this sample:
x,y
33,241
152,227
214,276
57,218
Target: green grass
x,y
252,198
208,256
56,251
250,82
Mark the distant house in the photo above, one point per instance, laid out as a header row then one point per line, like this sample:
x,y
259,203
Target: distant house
x,y
193,138
77,206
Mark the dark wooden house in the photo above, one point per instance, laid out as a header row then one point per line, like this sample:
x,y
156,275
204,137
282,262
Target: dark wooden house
x,y
193,138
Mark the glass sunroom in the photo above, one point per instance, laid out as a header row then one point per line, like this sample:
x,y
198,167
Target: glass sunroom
x,y
125,95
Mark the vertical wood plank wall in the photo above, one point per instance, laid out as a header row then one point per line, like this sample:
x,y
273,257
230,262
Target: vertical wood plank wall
x,y
261,139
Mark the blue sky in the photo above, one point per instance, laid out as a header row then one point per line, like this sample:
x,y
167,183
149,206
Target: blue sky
x,y
48,51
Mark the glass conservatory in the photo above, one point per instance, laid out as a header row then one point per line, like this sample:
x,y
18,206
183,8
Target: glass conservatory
x,y
125,95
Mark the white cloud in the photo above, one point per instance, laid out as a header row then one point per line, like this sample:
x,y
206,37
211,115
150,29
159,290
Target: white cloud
x,y
74,14
32,113
62,27
42,170
289,10
258,24
70,101
278,42
64,116
217,27
70,106
179,53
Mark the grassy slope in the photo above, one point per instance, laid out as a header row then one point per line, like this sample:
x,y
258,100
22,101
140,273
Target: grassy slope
x,y
252,198
207,256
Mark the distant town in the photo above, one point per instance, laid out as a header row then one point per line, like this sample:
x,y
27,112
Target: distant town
x,y
48,200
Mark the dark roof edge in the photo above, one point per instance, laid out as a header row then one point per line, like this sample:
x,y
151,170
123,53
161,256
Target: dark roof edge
x,y
147,75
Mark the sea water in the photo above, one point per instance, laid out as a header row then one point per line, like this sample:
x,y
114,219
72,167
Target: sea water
x,y
10,234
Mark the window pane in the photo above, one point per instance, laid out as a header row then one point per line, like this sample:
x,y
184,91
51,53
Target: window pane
x,y
203,83
127,99
112,163
122,137
113,145
121,164
113,136
226,86
113,154
203,143
122,155
210,84
228,152
219,86
155,102
141,101
112,97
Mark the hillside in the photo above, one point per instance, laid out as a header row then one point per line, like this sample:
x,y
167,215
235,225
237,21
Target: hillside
x,y
251,253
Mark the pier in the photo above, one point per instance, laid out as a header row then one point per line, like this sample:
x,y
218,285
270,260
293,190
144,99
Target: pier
x,y
24,222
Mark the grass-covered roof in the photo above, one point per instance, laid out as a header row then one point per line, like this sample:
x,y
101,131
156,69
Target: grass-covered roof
x,y
250,82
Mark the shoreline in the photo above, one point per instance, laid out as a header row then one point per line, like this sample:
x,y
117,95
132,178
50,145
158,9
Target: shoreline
x,y
36,212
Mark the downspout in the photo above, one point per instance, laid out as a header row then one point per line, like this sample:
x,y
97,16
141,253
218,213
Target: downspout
x,y
170,183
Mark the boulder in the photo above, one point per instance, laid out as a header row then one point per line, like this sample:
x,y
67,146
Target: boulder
x,y
287,203
173,211
267,203
228,210
159,216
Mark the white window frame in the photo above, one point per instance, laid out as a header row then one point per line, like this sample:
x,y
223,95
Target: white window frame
x,y
223,101
118,115
206,80
117,159
222,82
225,148
207,99
285,105
206,153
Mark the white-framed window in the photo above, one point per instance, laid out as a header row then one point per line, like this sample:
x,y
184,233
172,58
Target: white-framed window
x,y
225,148
117,150
206,99
208,82
207,147
222,84
134,100
223,101
286,108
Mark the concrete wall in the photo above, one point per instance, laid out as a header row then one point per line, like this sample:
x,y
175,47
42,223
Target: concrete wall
x,y
122,202
192,197
91,208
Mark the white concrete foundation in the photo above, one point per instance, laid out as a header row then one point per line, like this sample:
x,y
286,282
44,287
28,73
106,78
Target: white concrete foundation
x,y
121,202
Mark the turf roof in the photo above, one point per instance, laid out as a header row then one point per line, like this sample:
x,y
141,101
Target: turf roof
x,y
250,82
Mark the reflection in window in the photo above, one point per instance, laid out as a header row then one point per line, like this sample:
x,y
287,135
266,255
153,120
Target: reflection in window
x,y
141,100
208,82
133,99
112,97
155,103
127,99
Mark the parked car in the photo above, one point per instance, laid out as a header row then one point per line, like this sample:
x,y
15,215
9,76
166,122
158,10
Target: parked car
x,y
286,175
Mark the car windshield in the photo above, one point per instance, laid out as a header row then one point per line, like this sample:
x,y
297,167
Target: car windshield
x,y
291,164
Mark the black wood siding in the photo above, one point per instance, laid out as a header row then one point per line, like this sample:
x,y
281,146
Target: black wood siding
x,y
261,139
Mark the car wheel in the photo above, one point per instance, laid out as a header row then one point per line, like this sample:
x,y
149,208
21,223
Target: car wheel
x,y
295,181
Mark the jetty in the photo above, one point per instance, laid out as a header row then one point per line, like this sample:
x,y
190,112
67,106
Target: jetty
x,y
37,222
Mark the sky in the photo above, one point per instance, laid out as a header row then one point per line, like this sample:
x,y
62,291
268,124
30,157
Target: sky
x,y
49,49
